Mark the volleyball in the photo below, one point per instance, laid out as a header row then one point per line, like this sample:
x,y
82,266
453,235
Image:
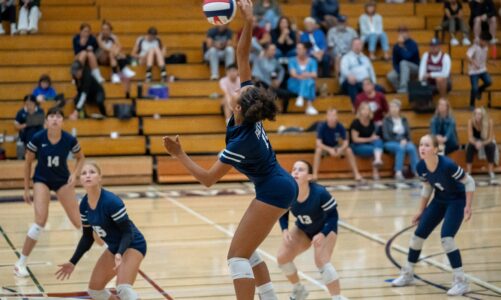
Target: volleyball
x,y
219,12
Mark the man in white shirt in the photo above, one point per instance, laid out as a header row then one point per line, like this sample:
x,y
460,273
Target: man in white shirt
x,y
435,68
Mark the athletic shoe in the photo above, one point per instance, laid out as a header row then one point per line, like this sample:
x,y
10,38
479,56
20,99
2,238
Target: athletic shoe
x,y
339,297
299,292
21,270
311,111
299,101
454,42
494,41
459,286
148,77
466,42
214,77
2,32
128,73
399,177
115,78
406,278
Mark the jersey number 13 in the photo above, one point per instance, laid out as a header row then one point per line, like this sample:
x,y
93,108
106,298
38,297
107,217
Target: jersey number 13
x,y
305,219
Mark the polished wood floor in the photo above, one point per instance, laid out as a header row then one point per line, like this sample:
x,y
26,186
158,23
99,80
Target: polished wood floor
x,y
188,229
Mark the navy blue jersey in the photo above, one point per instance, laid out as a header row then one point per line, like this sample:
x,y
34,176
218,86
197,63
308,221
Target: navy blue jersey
x,y
331,136
110,211
445,180
52,165
318,213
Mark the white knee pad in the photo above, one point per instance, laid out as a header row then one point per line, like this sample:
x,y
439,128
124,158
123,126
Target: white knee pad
x,y
329,273
448,244
288,269
255,259
99,295
240,268
126,292
35,231
416,242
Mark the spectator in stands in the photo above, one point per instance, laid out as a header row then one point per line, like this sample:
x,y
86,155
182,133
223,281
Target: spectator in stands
x,y
481,140
219,48
89,90
8,13
29,120
405,61
314,35
44,90
332,140
371,31
147,50
376,100
364,140
110,53
302,80
285,38
397,140
230,84
260,37
339,40
477,67
443,126
325,12
355,67
453,19
435,68
267,13
29,13
483,11
85,47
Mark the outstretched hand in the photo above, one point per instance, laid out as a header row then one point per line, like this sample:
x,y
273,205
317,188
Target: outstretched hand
x,y
246,9
173,146
65,271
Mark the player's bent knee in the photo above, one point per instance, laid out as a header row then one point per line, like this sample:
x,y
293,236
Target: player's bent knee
x,y
448,244
328,273
288,268
255,259
416,243
35,231
99,294
240,268
126,292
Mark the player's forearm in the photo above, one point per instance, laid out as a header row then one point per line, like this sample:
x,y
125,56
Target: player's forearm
x,y
243,51
469,199
198,172
27,173
84,244
424,203
79,165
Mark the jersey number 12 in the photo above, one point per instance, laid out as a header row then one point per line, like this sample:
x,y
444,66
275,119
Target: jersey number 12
x,y
53,161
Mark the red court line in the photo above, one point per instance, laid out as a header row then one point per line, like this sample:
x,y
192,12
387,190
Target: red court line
x,y
153,284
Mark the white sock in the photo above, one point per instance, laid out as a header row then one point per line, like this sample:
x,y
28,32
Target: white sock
x,y
97,74
458,272
266,292
410,266
22,260
297,285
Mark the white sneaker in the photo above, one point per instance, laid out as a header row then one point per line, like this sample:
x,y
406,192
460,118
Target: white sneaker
x,y
339,297
128,73
494,41
454,42
459,287
399,177
214,77
13,30
2,31
311,111
299,101
466,42
299,292
115,78
406,278
21,270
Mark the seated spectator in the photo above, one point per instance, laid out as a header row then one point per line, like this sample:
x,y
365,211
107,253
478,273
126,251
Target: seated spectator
x,y
29,13
314,35
364,140
355,67
453,19
332,140
483,11
147,50
110,53
8,13
481,140
405,60
371,31
339,40
260,37
89,90
85,47
376,100
230,84
397,140
443,126
435,69
325,12
285,38
302,80
219,48
267,13
29,120
44,91
477,67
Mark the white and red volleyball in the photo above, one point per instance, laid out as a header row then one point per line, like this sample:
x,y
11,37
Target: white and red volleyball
x,y
219,12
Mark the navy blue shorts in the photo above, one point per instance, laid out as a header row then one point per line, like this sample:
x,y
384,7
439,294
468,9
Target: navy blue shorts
x,y
279,189
138,243
311,233
452,212
52,185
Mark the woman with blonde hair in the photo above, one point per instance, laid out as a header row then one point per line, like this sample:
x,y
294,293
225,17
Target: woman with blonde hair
x,y
481,140
443,126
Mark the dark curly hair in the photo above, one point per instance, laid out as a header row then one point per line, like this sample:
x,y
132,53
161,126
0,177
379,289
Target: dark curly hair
x,y
258,104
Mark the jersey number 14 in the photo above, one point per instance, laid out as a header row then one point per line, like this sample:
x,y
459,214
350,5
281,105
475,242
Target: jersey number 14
x,y
53,161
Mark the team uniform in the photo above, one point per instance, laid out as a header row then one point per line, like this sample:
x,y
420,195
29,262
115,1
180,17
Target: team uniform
x,y
318,213
52,168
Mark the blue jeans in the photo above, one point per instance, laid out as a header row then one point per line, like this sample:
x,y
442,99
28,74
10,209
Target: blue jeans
x,y
290,53
400,151
372,39
367,149
477,91
302,87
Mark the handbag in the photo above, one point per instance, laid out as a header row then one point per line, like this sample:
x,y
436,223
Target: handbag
x,y
123,111
421,97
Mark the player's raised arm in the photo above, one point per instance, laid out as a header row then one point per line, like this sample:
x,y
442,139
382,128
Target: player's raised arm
x,y
244,43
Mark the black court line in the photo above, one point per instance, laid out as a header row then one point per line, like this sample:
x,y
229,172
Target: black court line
x,y
35,280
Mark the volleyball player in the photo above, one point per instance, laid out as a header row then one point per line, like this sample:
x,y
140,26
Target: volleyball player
x,y
249,151
105,213
51,148
451,203
316,225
